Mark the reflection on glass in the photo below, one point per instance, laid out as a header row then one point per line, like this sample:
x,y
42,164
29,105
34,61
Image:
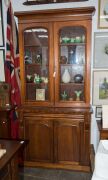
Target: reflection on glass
x,y
36,64
72,63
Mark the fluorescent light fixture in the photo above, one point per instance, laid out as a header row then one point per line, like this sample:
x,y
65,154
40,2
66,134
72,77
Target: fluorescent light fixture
x,y
36,30
42,36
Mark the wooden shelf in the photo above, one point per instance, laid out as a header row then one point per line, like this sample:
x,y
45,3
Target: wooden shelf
x,y
71,64
33,45
73,101
35,84
72,83
103,131
72,44
99,123
34,64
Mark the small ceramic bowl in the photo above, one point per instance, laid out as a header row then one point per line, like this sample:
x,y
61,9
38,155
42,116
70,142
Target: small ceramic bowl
x,y
78,39
78,78
72,40
65,40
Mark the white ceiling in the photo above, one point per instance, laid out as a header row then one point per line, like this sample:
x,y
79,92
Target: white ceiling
x,y
18,5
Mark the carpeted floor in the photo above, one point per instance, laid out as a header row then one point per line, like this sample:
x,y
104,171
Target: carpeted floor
x,y
50,174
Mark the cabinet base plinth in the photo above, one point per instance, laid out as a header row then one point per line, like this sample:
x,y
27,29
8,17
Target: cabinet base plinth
x,y
57,166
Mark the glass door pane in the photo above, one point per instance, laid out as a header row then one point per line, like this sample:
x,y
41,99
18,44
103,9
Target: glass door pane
x,y
72,63
36,64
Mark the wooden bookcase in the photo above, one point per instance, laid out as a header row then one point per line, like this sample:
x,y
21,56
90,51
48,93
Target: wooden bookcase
x,y
55,112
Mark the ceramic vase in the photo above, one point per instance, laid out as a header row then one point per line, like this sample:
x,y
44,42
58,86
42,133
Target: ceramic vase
x,y
66,76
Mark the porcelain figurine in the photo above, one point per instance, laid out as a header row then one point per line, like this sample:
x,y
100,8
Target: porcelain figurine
x,y
78,93
64,95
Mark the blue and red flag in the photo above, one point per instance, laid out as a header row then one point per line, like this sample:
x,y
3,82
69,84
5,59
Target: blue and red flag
x,y
12,69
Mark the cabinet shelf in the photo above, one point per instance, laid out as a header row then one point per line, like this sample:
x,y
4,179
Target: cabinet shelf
x,y
34,45
73,101
34,64
72,44
72,83
71,64
35,84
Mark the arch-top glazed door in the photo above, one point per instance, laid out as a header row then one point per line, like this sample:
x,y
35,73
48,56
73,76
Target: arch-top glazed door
x,y
37,80
71,64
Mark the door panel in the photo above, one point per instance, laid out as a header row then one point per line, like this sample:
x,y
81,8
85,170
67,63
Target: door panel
x,y
67,141
40,135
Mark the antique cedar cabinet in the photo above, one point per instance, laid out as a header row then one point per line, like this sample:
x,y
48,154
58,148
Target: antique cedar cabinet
x,y
55,112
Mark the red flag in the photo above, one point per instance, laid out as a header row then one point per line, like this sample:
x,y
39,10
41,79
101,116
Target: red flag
x,y
12,68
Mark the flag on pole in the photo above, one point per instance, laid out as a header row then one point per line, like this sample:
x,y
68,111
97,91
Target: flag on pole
x,y
12,68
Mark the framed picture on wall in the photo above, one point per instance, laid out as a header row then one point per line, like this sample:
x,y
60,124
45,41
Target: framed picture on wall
x,y
103,14
2,56
100,88
100,50
1,27
98,113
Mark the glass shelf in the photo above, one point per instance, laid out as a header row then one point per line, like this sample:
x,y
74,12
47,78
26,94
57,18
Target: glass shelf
x,y
72,44
71,84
